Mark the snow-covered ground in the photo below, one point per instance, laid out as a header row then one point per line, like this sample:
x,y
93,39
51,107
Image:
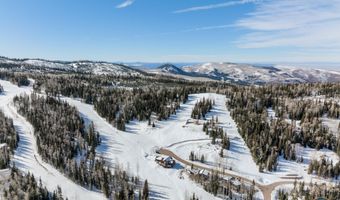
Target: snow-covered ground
x,y
238,158
134,150
308,154
26,157
79,66
300,169
332,124
285,188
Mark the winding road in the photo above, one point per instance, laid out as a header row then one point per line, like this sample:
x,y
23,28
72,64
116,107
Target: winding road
x,y
129,148
265,189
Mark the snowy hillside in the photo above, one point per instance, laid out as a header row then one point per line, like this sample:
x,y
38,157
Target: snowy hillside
x,y
171,69
73,66
246,73
27,158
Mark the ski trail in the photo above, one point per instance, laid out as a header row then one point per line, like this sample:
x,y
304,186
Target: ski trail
x,y
26,157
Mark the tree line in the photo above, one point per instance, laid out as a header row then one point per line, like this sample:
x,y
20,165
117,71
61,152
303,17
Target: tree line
x,y
226,188
324,168
18,185
268,138
115,100
310,191
64,142
25,186
19,79
8,140
201,108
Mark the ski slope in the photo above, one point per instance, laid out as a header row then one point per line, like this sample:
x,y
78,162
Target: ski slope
x,y
26,157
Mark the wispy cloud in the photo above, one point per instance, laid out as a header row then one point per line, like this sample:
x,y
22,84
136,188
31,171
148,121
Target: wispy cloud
x,y
214,6
304,24
207,28
125,4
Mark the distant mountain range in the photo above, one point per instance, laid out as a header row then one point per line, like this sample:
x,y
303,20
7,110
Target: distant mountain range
x,y
85,66
231,72
247,73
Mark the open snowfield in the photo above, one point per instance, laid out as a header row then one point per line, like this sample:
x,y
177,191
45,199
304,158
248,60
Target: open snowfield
x,y
135,149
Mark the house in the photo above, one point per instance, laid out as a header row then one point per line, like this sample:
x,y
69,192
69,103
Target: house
x,y
204,173
167,162
192,171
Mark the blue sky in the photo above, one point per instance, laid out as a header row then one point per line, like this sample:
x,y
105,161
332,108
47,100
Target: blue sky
x,y
264,31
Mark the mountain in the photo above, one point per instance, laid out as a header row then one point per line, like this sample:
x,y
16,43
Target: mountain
x,y
231,72
68,66
254,74
170,68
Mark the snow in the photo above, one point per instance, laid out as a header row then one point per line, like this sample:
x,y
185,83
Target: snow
x,y
271,114
26,157
256,74
308,154
332,124
286,188
79,66
300,169
238,157
200,147
135,149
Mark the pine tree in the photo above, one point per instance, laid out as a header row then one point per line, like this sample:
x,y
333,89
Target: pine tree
x,y
145,191
202,159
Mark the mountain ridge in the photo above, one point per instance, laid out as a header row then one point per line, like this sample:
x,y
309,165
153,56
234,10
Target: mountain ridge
x,y
217,71
81,66
256,74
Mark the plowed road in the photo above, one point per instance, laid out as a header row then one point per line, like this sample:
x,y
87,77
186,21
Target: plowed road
x,y
265,189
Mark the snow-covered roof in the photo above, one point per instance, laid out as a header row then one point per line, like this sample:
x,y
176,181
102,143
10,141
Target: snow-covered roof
x,y
204,172
168,159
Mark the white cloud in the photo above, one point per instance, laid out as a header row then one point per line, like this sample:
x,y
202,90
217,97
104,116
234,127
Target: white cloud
x,y
214,6
125,4
303,24
207,28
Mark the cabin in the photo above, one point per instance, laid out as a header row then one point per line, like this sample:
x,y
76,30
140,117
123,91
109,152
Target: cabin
x,y
202,173
166,162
